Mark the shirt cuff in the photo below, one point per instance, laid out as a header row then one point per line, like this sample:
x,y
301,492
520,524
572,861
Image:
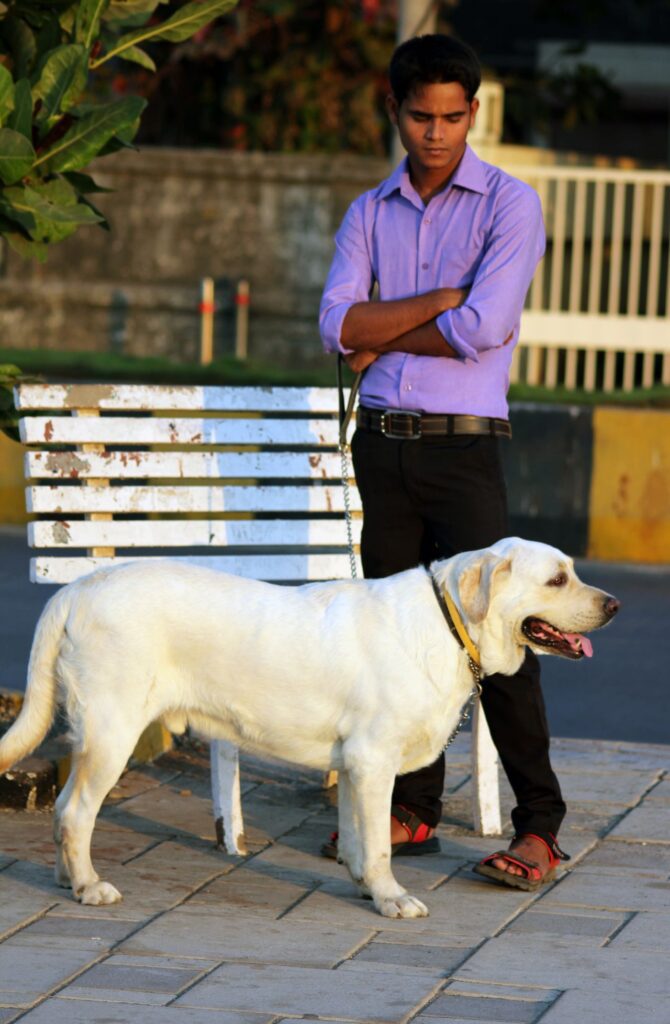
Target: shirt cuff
x,y
331,328
446,328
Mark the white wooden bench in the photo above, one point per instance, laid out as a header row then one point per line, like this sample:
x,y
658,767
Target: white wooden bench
x,y
243,479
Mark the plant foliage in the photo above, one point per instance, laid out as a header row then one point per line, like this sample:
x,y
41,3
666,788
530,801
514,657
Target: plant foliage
x,y
48,134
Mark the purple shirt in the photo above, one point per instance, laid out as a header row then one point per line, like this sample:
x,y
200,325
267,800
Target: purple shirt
x,y
484,231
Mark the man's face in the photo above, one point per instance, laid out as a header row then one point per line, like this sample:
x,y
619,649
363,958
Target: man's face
x,y
433,123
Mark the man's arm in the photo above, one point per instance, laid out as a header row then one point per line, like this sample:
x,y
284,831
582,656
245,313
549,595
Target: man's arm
x,y
490,315
376,325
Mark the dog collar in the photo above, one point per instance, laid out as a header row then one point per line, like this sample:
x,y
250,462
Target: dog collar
x,y
457,626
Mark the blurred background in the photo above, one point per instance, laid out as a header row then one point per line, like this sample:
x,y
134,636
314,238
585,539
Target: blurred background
x,y
261,129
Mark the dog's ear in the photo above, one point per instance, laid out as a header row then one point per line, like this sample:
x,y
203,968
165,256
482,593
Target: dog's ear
x,y
477,583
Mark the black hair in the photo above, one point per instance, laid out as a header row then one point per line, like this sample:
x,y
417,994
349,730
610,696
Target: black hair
x,y
428,59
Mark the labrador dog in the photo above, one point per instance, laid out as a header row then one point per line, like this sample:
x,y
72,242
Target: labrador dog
x,y
361,676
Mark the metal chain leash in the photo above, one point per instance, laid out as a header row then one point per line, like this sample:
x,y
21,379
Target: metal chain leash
x,y
346,491
472,700
345,414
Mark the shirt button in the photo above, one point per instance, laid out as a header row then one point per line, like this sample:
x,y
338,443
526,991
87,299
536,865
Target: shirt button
x,y
424,266
408,387
427,220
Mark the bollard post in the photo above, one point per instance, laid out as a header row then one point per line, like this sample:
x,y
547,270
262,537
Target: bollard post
x,y
206,309
242,320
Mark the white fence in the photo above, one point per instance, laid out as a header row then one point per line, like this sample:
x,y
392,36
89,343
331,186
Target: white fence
x,y
597,310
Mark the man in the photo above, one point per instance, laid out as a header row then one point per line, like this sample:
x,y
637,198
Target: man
x,y
452,244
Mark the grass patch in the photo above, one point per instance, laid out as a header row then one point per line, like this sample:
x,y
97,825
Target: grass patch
x,y
102,366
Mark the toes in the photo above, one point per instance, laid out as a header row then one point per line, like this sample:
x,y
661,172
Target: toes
x,y
402,906
99,893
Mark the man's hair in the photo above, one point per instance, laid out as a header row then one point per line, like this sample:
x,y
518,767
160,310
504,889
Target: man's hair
x,y
425,60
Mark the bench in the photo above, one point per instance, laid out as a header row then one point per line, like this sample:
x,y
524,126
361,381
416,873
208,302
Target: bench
x,y
242,479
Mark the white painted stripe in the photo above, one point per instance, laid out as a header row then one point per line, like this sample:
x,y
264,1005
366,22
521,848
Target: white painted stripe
x,y
263,567
182,465
164,396
123,533
121,430
131,499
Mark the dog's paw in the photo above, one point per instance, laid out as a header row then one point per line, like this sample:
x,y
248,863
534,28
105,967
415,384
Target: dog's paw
x,y
402,906
98,893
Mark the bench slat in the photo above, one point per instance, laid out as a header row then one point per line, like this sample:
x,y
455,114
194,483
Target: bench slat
x,y
122,430
182,465
162,396
297,568
131,499
123,533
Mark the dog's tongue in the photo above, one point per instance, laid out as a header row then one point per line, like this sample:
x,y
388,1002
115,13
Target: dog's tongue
x,y
579,642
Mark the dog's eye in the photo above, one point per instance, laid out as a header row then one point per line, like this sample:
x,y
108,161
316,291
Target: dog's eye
x,y
558,581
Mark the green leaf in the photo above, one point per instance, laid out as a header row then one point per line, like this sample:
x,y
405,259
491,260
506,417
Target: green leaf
x,y
87,136
21,118
18,216
6,93
102,220
121,11
138,56
62,78
84,183
17,155
87,21
26,247
19,40
182,25
51,203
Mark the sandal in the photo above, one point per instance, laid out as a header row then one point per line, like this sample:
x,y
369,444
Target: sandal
x,y
420,838
532,877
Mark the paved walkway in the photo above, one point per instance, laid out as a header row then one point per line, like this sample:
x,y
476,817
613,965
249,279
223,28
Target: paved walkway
x,y
203,938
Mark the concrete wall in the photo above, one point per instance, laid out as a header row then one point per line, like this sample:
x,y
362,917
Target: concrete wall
x,y
593,482
177,216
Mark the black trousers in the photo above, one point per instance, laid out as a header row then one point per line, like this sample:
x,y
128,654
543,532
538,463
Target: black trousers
x,y
433,498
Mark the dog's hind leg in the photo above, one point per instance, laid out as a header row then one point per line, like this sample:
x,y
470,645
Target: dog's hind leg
x,y
348,841
371,866
94,772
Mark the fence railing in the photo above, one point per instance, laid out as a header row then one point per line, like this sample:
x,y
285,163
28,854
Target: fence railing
x,y
598,305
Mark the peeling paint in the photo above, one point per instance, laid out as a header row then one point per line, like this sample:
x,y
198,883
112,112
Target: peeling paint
x,y
67,464
48,430
89,396
61,533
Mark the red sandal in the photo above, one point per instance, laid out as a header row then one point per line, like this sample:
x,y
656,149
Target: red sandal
x,y
420,838
532,877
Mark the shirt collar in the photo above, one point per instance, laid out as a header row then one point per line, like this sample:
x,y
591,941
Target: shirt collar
x,y
469,174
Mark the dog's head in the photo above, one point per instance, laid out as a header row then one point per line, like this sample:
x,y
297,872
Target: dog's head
x,y
519,594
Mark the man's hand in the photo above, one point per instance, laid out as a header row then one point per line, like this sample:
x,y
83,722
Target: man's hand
x,y
359,361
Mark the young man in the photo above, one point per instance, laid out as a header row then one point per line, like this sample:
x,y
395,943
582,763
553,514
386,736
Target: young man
x,y
452,244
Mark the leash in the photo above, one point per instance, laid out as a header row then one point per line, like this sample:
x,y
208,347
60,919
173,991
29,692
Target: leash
x,y
345,413
460,634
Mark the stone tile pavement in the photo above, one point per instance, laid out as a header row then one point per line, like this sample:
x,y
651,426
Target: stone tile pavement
x,y
281,935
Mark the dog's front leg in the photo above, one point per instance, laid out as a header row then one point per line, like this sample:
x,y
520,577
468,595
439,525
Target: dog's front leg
x,y
370,864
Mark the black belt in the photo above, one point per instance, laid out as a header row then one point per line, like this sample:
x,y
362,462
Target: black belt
x,y
409,426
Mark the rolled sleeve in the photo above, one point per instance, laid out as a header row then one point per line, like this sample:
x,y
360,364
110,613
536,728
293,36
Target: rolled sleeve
x,y
349,281
493,307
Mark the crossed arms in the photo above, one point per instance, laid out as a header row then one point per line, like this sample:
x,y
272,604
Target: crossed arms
x,y
398,325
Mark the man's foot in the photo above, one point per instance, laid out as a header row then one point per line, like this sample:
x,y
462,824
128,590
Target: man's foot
x,y
530,862
409,836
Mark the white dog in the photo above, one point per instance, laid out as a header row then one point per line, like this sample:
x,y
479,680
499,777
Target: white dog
x,y
364,676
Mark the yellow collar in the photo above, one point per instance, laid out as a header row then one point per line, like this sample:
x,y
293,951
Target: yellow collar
x,y
455,622
461,630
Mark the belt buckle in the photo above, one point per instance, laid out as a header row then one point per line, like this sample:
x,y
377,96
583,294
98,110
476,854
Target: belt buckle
x,y
387,427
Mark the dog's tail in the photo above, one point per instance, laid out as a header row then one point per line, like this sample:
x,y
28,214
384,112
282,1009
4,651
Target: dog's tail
x,y
39,704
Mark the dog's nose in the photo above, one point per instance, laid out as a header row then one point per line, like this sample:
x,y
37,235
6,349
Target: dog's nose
x,y
611,606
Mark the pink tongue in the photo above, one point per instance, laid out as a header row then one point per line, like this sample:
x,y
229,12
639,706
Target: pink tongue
x,y
586,644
